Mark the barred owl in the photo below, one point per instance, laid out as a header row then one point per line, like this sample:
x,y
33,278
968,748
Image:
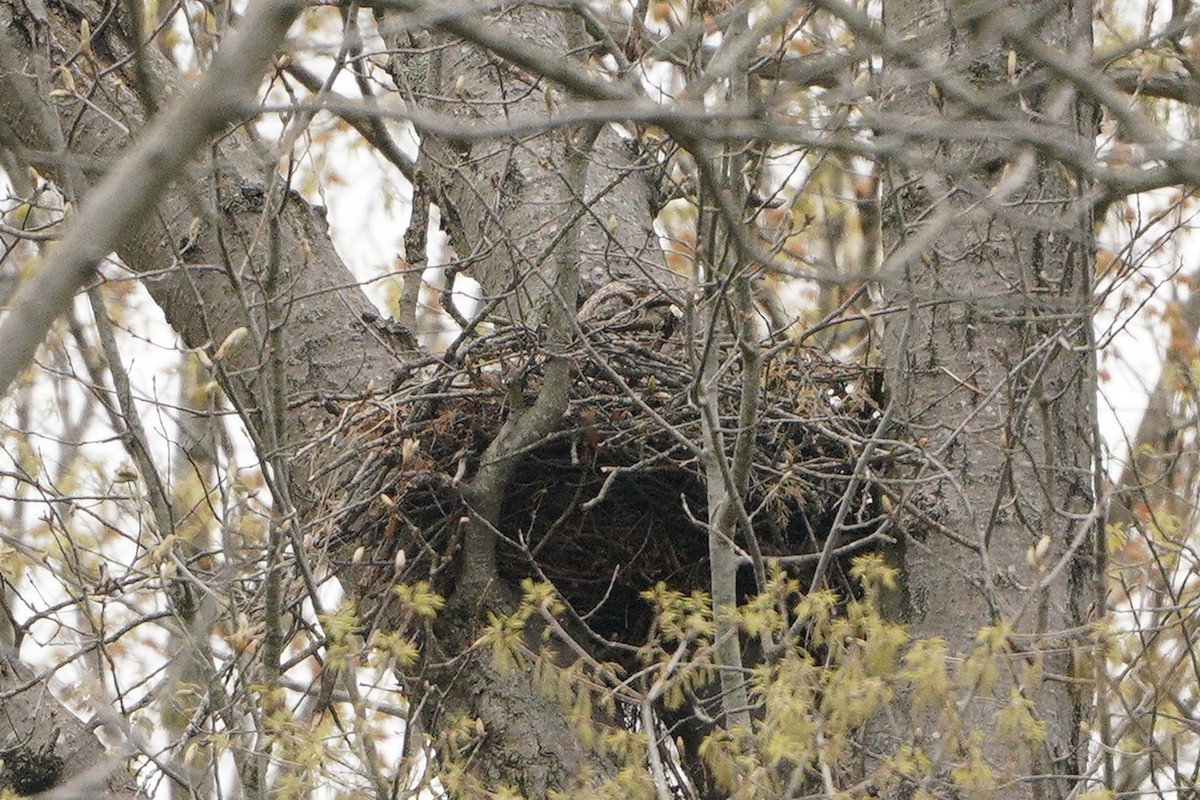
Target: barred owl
x,y
628,306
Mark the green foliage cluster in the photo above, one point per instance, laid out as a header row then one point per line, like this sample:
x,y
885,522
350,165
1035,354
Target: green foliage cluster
x,y
814,700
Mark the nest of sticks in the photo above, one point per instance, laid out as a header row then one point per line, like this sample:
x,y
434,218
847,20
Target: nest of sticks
x,y
612,503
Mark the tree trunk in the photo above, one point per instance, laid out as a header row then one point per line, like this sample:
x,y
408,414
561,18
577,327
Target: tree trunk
x,y
989,362
210,270
232,248
544,220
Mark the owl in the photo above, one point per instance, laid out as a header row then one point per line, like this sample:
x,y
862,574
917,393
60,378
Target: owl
x,y
629,306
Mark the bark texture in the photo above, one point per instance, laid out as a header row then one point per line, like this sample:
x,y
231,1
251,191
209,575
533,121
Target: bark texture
x,y
230,247
508,203
990,367
541,221
227,248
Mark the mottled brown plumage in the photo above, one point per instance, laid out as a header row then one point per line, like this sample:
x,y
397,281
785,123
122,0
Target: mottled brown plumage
x,y
629,306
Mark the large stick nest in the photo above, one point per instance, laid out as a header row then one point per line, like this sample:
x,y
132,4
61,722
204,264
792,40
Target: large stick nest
x,y
615,500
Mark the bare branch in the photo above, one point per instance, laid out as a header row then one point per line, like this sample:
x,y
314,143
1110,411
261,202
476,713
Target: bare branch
x,y
130,191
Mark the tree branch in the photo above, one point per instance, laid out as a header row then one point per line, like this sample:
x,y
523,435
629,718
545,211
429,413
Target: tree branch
x,y
128,194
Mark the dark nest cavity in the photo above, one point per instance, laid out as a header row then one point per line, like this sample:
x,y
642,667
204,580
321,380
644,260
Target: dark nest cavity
x,y
614,501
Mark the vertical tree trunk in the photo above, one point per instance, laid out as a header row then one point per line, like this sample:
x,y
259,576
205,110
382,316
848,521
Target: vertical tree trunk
x,y
541,220
990,364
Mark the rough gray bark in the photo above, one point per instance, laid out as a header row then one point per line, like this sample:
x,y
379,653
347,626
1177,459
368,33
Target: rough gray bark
x,y
46,748
541,221
991,364
990,368
227,248
232,249
130,190
507,204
